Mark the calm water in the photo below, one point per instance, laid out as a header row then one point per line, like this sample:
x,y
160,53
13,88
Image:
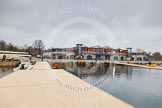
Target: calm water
x,y
5,71
139,87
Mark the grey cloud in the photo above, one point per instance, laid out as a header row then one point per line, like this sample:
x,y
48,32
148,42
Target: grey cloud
x,y
141,20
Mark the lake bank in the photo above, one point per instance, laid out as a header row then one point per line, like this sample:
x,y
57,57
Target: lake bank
x,y
9,63
142,64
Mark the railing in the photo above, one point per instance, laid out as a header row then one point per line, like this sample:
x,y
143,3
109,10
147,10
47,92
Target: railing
x,y
110,53
92,52
59,52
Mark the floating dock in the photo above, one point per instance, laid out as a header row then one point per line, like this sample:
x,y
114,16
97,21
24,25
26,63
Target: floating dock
x,y
141,64
136,65
43,87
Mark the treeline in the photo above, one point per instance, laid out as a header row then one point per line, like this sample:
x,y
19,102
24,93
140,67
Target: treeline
x,y
156,56
38,45
34,49
153,56
8,46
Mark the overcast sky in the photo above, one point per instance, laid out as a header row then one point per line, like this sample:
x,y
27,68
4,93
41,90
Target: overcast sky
x,y
63,23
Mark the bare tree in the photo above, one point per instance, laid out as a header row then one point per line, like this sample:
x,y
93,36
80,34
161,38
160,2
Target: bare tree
x,y
38,46
25,47
10,47
157,56
2,45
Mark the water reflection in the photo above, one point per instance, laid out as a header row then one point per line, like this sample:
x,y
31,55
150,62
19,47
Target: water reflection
x,y
100,74
129,73
99,70
137,86
5,71
81,71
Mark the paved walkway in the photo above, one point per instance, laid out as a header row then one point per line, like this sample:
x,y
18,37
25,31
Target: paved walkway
x,y
43,87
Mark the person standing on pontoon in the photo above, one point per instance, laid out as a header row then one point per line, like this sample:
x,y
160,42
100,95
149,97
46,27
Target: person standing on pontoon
x,y
30,58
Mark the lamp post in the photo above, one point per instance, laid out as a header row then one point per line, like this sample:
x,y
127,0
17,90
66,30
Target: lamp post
x,y
79,51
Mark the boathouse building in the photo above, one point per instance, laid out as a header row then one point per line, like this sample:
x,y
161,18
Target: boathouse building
x,y
94,53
